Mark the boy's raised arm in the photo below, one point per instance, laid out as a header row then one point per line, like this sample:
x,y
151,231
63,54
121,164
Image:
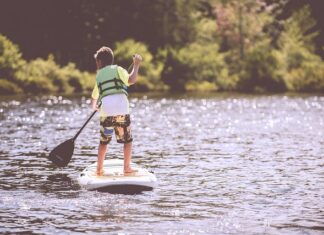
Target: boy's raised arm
x,y
137,59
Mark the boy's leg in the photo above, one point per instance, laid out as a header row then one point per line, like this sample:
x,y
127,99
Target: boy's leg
x,y
106,131
124,135
101,157
128,158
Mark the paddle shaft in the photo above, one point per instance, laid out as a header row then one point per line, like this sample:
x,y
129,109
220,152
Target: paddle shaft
x,y
77,134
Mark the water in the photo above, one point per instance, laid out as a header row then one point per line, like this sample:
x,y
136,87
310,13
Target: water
x,y
226,164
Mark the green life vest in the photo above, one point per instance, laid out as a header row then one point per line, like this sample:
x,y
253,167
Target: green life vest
x,y
109,83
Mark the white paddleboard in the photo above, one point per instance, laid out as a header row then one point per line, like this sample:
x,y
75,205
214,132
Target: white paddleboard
x,y
113,180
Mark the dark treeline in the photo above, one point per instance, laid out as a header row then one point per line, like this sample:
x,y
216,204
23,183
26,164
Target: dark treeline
x,y
73,30
248,45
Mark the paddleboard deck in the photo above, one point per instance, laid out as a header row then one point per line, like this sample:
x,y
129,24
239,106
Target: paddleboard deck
x,y
114,180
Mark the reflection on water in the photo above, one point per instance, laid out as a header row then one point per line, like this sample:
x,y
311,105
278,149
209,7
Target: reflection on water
x,y
226,163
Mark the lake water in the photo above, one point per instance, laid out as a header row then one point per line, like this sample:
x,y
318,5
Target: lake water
x,y
226,164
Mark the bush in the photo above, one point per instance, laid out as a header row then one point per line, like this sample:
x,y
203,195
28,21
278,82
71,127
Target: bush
x,y
302,70
87,81
9,88
38,75
41,75
308,77
10,59
77,80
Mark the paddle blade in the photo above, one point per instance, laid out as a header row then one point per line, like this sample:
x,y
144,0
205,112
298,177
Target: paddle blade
x,y
61,155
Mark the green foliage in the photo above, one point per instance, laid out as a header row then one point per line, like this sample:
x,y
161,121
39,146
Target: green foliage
x,y
77,80
207,31
298,28
10,58
197,62
309,77
248,53
261,70
9,88
87,81
39,76
302,70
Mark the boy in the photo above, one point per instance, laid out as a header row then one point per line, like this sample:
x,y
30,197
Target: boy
x,y
111,89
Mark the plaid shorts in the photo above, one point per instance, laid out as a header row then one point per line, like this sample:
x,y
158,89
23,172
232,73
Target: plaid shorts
x,y
119,124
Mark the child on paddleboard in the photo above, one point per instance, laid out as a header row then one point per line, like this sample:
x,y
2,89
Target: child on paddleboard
x,y
111,90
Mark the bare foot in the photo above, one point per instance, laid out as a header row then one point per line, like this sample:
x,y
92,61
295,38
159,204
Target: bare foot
x,y
99,173
129,171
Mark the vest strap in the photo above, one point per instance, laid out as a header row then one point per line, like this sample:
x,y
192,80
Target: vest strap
x,y
117,85
111,88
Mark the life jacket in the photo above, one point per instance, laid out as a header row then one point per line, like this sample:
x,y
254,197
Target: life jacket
x,y
109,83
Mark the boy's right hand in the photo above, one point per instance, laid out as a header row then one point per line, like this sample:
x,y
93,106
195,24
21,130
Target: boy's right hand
x,y
95,108
94,105
137,59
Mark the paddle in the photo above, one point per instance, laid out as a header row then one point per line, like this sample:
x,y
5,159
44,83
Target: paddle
x,y
61,155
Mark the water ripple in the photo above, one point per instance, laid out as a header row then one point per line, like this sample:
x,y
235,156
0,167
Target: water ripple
x,y
226,164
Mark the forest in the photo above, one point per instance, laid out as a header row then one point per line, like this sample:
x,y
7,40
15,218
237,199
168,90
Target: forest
x,y
47,46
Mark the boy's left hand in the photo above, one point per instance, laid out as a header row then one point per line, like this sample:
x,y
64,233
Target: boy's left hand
x,y
137,59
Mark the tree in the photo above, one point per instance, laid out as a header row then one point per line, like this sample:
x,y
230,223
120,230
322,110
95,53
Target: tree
x,y
302,69
242,23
